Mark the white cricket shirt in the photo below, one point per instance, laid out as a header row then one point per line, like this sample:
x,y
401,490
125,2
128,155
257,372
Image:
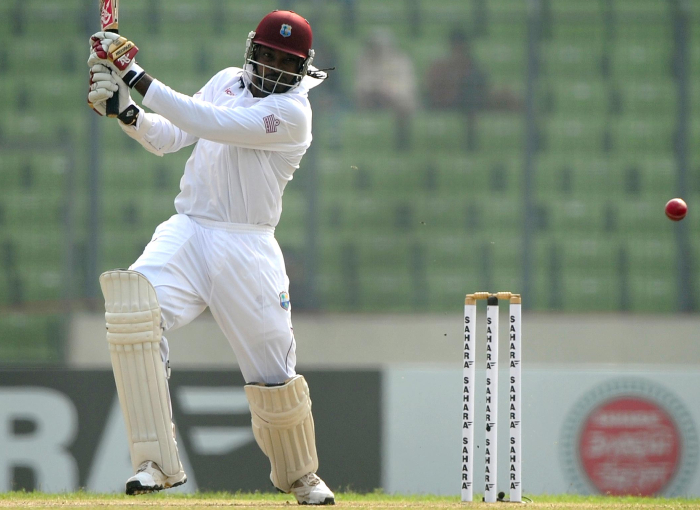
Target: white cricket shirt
x,y
246,151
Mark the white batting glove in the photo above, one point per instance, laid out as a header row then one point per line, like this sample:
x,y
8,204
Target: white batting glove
x,y
103,85
118,54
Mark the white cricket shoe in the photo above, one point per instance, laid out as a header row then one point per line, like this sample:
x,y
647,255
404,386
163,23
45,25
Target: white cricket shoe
x,y
311,490
149,478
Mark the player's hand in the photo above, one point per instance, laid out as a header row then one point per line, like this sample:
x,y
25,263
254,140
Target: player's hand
x,y
103,85
118,54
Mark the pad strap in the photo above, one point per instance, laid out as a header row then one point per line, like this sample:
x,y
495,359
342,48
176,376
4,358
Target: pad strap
x,y
134,335
283,427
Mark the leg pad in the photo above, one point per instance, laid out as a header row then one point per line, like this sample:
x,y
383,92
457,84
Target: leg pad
x,y
134,335
284,429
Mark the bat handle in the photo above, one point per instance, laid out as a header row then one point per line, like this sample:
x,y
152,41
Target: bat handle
x,y
113,105
113,102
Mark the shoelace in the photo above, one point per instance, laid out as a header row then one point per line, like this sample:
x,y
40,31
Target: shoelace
x,y
143,467
312,479
309,479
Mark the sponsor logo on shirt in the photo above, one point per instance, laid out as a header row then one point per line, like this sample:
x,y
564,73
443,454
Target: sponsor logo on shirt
x,y
271,123
229,92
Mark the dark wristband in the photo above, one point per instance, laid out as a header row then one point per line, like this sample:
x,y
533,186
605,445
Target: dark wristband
x,y
132,77
130,115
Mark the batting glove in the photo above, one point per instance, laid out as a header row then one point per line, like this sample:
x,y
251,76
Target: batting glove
x,y
118,54
103,85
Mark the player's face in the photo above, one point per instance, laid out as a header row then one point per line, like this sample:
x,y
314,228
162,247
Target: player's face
x,y
277,70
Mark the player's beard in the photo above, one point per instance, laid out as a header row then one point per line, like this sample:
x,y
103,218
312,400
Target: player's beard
x,y
272,80
275,85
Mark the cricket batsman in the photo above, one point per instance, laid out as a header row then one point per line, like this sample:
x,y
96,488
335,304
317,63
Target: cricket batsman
x,y
249,128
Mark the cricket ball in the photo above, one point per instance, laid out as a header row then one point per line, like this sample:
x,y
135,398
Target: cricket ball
x,y
676,209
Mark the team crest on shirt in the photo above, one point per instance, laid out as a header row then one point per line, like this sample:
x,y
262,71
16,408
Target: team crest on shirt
x,y
284,300
286,30
271,123
229,91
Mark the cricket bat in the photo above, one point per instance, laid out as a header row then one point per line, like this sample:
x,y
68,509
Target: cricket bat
x,y
109,22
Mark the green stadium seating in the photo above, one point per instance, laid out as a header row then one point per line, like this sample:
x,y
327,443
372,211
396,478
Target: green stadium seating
x,y
373,131
30,338
22,170
67,94
644,215
654,97
501,131
438,131
7,20
653,257
646,10
576,135
504,8
291,230
580,97
564,215
502,51
386,12
574,50
643,134
398,230
642,50
144,210
590,11
121,248
28,54
562,175
41,283
577,272
459,264
40,18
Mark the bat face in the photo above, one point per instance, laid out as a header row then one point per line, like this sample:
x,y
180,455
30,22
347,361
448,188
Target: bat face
x,y
109,19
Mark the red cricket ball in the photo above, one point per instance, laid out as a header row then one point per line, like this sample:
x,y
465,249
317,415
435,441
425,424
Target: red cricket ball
x,y
676,209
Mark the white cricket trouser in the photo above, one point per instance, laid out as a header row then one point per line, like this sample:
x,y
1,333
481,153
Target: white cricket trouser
x,y
238,272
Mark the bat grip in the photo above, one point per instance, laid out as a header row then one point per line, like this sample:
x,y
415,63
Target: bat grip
x,y
113,105
113,102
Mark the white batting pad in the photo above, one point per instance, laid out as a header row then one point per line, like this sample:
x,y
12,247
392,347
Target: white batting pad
x,y
284,429
134,334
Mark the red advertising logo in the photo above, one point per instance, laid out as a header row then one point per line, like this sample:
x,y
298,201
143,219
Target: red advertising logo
x,y
629,436
629,445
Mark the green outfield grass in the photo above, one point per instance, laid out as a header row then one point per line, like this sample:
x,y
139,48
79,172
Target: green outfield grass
x,y
83,500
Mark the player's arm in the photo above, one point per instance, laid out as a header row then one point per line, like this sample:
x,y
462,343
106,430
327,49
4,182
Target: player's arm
x,y
158,135
276,123
273,125
155,133
143,84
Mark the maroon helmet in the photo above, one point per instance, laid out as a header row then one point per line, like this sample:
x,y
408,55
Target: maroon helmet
x,y
284,31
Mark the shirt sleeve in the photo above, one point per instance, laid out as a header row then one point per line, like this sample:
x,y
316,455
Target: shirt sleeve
x,y
166,136
157,134
274,123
